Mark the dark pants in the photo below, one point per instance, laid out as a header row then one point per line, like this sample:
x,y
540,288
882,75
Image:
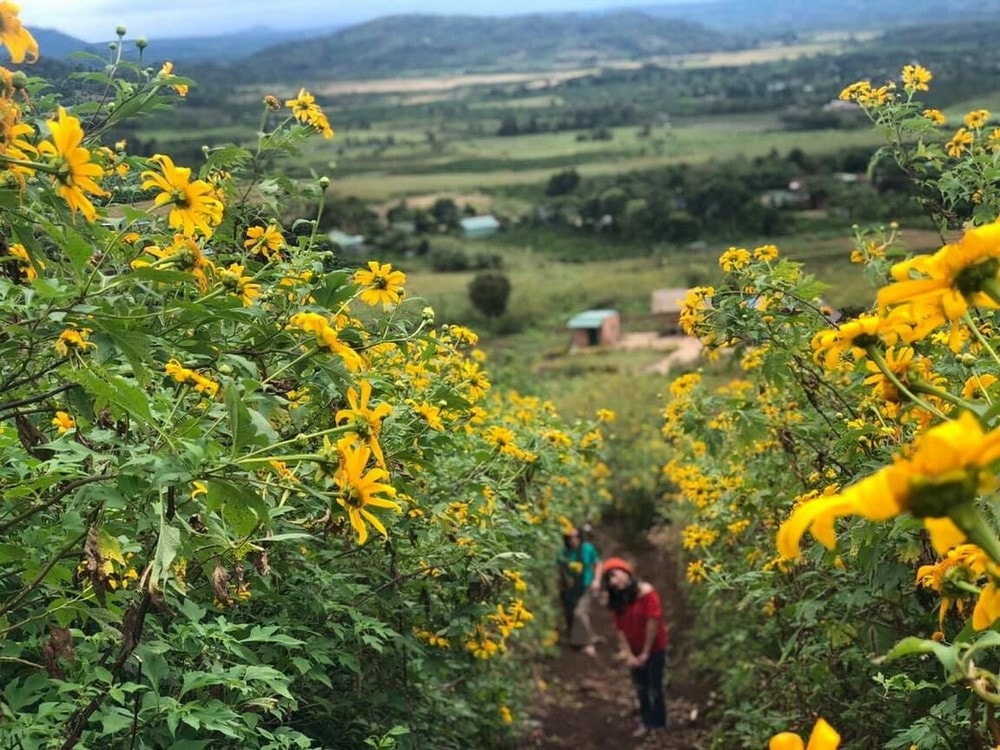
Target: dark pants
x,y
648,680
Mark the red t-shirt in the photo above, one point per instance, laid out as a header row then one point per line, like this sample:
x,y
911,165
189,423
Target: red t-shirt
x,y
632,622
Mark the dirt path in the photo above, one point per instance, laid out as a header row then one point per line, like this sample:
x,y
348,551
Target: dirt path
x,y
588,703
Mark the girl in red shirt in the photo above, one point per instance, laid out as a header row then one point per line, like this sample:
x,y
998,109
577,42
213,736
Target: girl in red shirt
x,y
642,636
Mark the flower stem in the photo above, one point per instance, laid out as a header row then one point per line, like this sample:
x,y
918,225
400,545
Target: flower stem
x,y
879,360
975,329
972,523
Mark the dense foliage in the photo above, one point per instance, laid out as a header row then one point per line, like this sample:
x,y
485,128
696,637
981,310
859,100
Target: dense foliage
x,y
249,497
886,629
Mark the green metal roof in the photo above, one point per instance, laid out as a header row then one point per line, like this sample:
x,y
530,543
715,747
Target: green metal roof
x,y
590,318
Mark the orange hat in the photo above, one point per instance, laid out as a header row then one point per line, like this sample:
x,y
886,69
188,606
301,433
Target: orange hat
x,y
617,562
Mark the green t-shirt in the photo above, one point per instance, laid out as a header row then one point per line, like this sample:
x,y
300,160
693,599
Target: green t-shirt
x,y
578,564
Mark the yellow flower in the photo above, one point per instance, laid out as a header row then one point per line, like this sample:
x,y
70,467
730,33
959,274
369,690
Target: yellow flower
x,y
74,340
854,336
183,254
945,473
916,78
63,422
242,286
957,275
765,253
17,39
505,715
381,284
959,143
365,422
823,737
977,386
605,415
25,264
183,375
167,72
304,109
934,115
953,577
268,240
977,118
327,338
362,488
696,572
195,206
75,175
734,259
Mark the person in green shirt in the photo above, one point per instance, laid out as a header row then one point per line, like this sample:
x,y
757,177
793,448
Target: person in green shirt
x,y
579,567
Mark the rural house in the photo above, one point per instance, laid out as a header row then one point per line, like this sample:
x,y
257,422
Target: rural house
x,y
348,243
479,226
666,309
595,328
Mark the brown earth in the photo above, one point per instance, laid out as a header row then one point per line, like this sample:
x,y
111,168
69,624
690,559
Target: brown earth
x,y
588,703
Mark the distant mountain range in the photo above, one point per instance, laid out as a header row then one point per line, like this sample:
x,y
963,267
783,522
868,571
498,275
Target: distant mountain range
x,y
784,16
413,44
420,43
222,48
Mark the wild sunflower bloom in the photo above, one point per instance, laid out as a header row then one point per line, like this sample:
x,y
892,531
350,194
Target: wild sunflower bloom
x,y
327,338
938,483
305,110
934,115
854,336
959,143
183,254
74,340
898,362
362,488
75,172
916,78
765,253
195,205
823,737
268,241
63,422
196,380
365,422
25,263
951,279
957,577
17,39
381,284
167,73
976,119
734,259
237,283
429,413
978,386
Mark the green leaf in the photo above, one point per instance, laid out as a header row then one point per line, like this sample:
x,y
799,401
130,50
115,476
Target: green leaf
x,y
334,290
166,550
915,646
112,389
240,426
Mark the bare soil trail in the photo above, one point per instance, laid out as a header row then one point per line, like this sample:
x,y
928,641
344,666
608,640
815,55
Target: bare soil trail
x,y
588,703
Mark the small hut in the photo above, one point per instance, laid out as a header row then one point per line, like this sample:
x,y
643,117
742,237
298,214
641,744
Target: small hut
x,y
595,328
475,227
666,307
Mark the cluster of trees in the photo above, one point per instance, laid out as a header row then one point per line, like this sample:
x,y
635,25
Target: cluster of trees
x,y
744,197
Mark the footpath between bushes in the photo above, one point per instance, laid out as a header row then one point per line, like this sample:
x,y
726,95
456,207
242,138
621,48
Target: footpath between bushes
x,y
588,703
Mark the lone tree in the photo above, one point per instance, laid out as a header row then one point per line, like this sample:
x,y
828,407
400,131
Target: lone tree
x,y
489,292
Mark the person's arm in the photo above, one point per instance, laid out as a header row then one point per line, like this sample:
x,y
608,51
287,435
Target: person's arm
x,y
624,650
652,628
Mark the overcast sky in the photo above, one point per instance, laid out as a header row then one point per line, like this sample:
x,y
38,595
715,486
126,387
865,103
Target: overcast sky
x,y
95,20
